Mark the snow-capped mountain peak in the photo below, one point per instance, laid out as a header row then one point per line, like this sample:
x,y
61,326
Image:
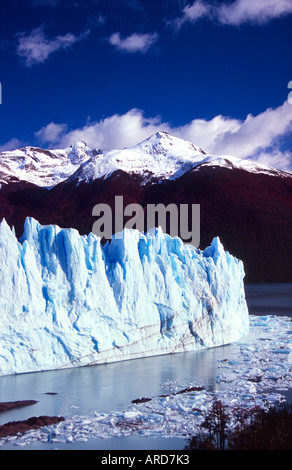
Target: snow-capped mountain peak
x,y
162,142
42,167
62,186
78,152
161,156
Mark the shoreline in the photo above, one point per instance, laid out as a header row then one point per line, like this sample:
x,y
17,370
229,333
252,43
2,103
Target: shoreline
x,y
13,428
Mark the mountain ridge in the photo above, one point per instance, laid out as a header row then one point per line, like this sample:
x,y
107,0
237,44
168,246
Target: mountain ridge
x,y
247,205
168,157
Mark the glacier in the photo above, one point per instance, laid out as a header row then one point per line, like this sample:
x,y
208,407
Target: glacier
x,y
67,300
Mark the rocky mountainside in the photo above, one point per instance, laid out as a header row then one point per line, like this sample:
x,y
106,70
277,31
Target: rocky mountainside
x,y
247,205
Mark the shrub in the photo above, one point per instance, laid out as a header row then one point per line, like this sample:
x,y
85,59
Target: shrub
x,y
255,429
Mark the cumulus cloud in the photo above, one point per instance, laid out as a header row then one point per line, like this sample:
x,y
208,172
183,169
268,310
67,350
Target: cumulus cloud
x,y
235,13
276,159
192,13
115,131
253,137
245,138
51,133
254,11
133,43
12,144
35,48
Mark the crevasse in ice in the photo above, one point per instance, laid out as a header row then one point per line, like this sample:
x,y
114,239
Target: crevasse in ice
x,y
66,300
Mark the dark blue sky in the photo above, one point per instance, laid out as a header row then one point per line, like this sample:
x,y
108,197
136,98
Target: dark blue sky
x,y
73,63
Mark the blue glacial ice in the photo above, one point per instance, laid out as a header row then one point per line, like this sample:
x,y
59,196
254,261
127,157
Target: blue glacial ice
x,y
67,301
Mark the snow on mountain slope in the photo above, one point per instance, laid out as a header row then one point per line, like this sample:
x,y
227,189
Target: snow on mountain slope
x,y
67,301
161,156
228,161
42,167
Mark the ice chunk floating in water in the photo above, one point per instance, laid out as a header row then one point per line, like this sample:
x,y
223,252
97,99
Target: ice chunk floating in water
x,y
68,301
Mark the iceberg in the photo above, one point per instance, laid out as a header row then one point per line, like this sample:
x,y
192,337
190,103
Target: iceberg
x,y
67,300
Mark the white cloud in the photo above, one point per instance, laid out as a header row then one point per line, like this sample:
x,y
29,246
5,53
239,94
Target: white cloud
x,y
252,137
12,144
235,13
245,138
133,43
35,48
208,133
51,133
253,11
192,13
276,159
116,131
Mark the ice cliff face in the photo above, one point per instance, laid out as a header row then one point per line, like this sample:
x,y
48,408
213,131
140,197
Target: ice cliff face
x,y
66,301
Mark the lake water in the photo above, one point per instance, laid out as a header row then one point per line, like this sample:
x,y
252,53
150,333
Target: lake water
x,y
269,299
96,400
